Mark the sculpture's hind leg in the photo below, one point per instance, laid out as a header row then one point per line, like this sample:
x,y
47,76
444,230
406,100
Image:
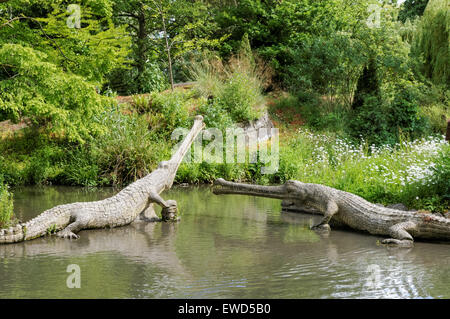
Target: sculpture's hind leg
x,y
400,235
78,222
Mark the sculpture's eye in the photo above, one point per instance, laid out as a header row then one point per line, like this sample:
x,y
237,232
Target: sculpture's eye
x,y
163,165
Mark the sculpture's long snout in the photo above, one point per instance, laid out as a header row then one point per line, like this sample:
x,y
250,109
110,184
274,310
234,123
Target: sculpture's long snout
x,y
222,186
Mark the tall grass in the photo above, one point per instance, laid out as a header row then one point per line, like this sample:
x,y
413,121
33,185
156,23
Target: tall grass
x,y
234,87
6,206
128,150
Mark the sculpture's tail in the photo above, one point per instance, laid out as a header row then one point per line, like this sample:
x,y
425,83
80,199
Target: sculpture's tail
x,y
48,222
222,186
12,234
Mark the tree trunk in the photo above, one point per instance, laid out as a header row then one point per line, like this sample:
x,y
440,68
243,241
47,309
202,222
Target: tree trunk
x,y
447,136
142,35
168,50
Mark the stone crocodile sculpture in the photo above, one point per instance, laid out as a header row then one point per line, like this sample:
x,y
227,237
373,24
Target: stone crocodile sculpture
x,y
346,209
121,209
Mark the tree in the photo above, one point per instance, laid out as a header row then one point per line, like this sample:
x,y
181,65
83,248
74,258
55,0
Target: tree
x,y
368,84
411,9
162,31
432,42
51,73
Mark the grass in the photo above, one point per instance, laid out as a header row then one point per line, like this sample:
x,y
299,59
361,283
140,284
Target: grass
x,y
6,206
234,89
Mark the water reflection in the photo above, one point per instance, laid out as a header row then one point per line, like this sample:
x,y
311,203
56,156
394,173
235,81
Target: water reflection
x,y
224,247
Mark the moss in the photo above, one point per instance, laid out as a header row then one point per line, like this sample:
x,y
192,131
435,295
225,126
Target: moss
x,y
52,229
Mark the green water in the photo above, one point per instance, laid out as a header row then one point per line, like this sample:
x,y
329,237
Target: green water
x,y
224,247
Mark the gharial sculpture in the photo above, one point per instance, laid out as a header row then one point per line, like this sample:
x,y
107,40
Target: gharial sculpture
x,y
345,209
121,209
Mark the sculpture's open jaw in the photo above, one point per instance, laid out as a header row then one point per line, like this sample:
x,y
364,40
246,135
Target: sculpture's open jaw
x,y
170,218
222,186
170,214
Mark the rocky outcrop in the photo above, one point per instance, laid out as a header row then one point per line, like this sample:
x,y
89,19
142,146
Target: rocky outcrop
x,y
253,127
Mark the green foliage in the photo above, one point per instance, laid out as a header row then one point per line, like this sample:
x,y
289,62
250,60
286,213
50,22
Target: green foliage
x,y
383,121
186,25
371,122
239,96
411,9
46,94
50,73
30,158
233,89
404,112
6,205
215,115
368,85
431,43
325,66
141,103
442,175
130,80
81,167
168,111
127,151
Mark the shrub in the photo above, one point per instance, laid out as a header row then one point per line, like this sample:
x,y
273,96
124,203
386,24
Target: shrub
x,y
168,111
128,150
6,205
236,86
44,164
370,121
324,66
141,103
382,120
368,85
431,42
240,96
81,168
404,111
215,115
435,106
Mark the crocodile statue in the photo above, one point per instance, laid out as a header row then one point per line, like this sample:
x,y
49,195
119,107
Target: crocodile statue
x,y
348,210
121,209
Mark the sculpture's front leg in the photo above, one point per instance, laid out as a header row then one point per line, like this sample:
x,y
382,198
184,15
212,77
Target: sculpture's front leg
x,y
332,209
169,208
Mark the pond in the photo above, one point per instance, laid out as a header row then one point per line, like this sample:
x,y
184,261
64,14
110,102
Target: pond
x,y
226,246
